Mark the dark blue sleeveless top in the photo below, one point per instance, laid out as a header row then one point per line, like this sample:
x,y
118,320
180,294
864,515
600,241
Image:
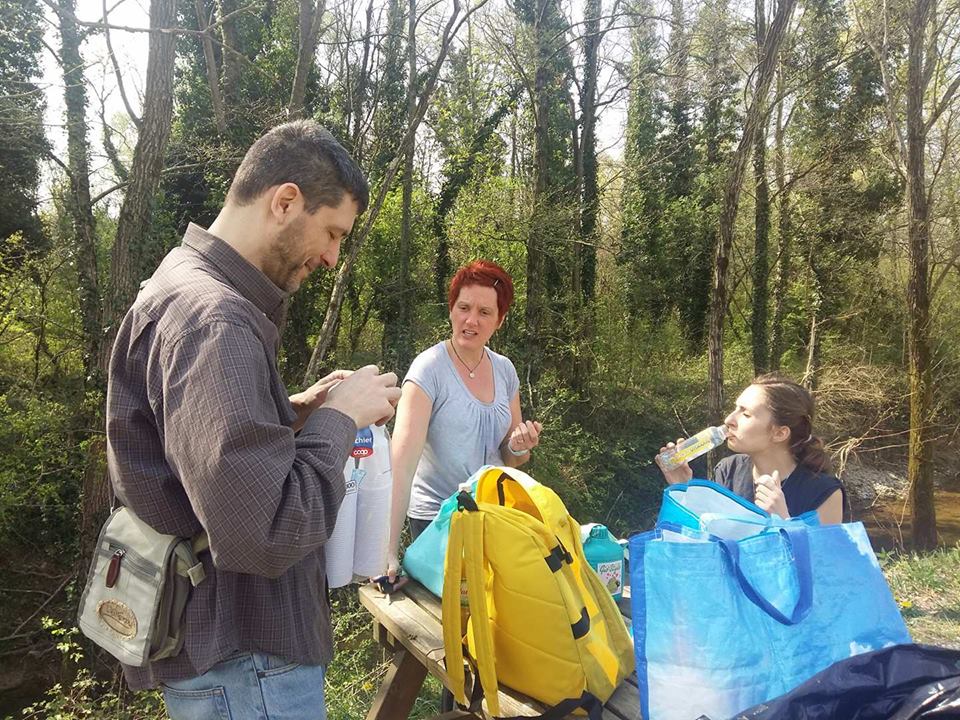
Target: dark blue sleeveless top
x,y
803,489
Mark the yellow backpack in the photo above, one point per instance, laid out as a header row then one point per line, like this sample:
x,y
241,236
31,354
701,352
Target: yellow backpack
x,y
541,621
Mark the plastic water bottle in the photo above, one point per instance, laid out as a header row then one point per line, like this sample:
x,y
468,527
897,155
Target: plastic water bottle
x,y
693,447
604,555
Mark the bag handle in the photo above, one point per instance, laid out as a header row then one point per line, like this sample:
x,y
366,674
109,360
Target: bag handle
x,y
799,546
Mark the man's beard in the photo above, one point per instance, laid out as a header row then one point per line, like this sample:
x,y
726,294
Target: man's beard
x,y
283,261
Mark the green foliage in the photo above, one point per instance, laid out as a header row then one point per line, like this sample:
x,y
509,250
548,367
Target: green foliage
x,y
22,138
676,168
40,470
377,270
87,697
41,398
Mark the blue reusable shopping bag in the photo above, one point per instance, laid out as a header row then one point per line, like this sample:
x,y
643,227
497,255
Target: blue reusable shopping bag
x,y
721,625
707,506
423,559
683,504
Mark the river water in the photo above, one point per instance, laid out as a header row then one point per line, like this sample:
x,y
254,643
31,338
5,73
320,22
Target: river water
x,y
888,521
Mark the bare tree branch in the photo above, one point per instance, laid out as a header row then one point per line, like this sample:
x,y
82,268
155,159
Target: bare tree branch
x,y
340,284
116,70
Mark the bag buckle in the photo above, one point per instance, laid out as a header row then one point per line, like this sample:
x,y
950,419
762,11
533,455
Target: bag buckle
x,y
196,574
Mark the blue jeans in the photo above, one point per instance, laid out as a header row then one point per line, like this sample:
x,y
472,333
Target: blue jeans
x,y
251,686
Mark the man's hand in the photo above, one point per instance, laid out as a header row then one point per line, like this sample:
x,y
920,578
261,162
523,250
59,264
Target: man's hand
x,y
768,494
366,396
314,396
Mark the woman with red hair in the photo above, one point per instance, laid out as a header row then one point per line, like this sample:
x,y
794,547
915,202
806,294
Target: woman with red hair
x,y
460,406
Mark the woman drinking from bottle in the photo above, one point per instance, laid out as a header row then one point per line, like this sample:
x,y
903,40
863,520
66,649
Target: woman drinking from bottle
x,y
779,463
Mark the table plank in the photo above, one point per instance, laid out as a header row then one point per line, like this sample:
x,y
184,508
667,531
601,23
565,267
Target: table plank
x,y
413,616
407,621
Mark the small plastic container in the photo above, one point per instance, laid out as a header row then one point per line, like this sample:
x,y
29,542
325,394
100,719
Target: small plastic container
x,y
693,447
605,555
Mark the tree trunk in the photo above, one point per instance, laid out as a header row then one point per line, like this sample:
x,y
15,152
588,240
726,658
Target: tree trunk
x,y
119,169
79,204
213,72
131,248
310,18
586,255
731,199
782,267
457,177
94,494
535,242
230,60
132,255
576,290
761,261
812,371
920,455
398,336
359,92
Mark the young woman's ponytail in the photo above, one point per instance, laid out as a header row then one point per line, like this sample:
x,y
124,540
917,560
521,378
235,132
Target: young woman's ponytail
x,y
791,405
812,454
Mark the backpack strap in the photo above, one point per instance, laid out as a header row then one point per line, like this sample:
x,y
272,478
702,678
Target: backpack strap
x,y
465,554
587,701
450,610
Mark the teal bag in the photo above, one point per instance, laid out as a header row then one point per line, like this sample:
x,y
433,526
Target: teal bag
x,y
423,560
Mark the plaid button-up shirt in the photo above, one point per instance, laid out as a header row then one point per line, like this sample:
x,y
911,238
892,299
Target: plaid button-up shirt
x,y
199,437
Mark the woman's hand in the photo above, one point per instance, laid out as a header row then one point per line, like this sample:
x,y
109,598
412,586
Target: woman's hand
x,y
768,494
392,579
678,475
393,565
525,437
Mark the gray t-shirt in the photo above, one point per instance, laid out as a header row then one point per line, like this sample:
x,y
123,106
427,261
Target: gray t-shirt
x,y
464,433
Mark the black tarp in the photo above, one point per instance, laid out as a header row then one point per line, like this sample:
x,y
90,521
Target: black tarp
x,y
904,682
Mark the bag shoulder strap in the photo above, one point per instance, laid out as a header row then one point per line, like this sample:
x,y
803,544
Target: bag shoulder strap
x,y
465,556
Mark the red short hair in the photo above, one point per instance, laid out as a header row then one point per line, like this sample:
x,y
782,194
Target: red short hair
x,y
485,274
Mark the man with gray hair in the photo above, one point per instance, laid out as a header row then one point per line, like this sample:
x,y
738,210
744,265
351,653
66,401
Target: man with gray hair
x,y
203,436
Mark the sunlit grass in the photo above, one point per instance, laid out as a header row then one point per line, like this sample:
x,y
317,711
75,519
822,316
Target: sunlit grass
x,y
927,589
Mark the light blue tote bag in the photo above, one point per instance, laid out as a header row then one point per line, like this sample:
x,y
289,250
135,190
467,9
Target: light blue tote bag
x,y
423,560
707,506
724,623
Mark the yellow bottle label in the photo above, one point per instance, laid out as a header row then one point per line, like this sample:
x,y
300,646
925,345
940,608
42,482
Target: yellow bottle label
x,y
703,442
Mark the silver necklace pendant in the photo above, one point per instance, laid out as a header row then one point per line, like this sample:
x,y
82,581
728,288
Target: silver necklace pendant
x,y
472,375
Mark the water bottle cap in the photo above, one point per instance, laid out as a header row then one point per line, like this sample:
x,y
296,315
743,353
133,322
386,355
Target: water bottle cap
x,y
599,531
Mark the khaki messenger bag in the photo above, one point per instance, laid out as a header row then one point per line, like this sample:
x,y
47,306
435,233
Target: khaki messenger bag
x,y
137,589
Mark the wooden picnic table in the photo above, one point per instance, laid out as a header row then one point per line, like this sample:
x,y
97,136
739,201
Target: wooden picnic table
x,y
407,624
